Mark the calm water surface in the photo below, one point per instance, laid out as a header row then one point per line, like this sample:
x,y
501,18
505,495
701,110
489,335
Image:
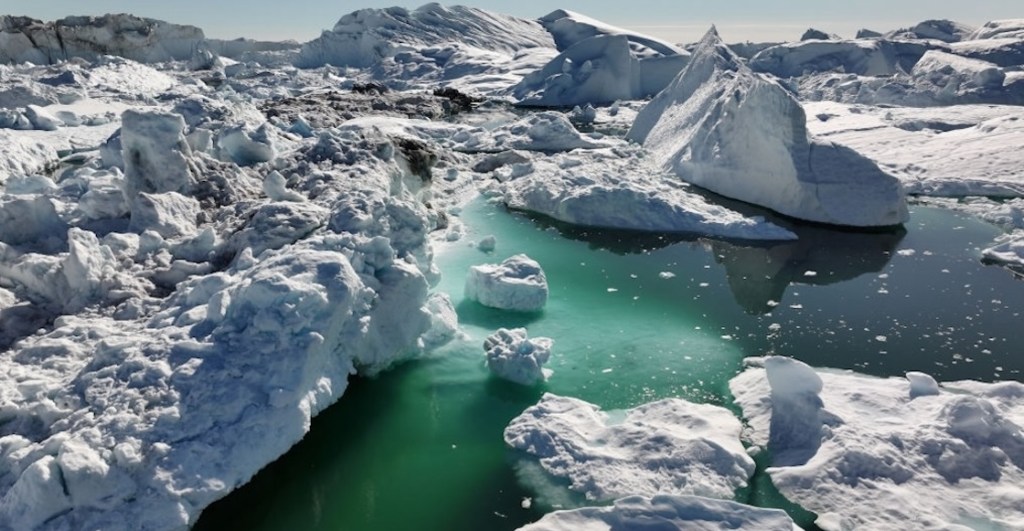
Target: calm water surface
x,y
634,318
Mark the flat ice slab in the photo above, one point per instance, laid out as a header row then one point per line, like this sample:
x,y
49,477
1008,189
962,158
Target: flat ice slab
x,y
517,284
876,453
666,447
662,512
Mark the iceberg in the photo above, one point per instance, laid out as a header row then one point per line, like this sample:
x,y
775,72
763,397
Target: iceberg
x,y
598,64
740,134
516,284
618,190
868,452
666,447
515,357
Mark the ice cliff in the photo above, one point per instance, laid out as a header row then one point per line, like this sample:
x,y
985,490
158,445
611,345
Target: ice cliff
x,y
723,127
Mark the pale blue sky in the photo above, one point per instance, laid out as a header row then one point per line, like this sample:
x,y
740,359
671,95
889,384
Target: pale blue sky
x,y
678,20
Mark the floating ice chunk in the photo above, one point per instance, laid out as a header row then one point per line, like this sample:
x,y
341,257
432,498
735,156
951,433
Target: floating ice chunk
x,y
723,127
607,189
515,357
487,244
666,447
692,513
883,458
1010,253
922,384
517,284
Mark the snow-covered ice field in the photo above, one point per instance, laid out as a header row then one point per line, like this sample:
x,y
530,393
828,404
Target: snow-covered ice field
x,y
203,242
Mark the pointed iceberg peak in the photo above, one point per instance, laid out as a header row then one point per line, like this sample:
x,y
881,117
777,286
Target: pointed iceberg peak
x,y
712,45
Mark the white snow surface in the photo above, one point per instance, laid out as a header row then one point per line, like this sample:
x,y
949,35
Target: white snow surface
x,y
666,447
518,283
872,453
947,151
868,57
740,134
514,356
666,513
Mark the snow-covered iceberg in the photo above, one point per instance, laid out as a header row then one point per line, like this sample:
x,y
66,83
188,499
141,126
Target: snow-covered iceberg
x,y
740,134
864,452
514,356
599,63
1000,29
666,447
691,513
516,284
367,36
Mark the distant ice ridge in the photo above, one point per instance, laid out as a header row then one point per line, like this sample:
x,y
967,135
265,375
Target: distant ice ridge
x,y
723,127
666,447
517,284
864,452
691,513
514,356
139,39
599,63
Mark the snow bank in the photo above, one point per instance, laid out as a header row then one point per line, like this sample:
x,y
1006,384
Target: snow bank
x,y
598,69
368,36
865,452
666,512
517,284
666,447
139,39
723,127
24,156
617,189
512,355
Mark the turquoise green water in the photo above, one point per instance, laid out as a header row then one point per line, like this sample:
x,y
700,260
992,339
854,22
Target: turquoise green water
x,y
420,447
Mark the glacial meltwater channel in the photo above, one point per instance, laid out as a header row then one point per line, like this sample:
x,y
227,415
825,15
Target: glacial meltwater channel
x,y
634,318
